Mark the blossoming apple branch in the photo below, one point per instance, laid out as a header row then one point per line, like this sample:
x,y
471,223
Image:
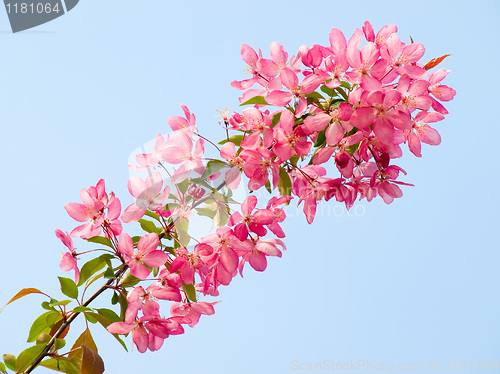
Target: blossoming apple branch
x,y
348,107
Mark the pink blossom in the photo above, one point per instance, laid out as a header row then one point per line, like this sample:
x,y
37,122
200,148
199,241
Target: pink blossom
x,y
257,256
186,124
147,254
233,175
68,259
250,222
291,82
95,202
148,194
192,311
180,150
148,161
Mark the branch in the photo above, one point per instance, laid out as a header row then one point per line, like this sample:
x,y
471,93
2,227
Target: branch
x,y
104,287
63,327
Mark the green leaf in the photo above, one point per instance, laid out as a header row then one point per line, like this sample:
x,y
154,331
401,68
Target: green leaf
x,y
352,149
321,140
128,280
89,317
68,287
2,368
10,361
149,226
285,184
213,166
47,306
236,139
170,250
90,268
40,325
22,293
122,299
342,93
109,314
54,302
207,212
276,118
152,215
255,100
201,183
183,186
114,298
59,343
81,309
328,91
109,274
108,261
135,239
27,356
268,186
61,364
182,226
314,97
346,85
100,240
222,215
190,291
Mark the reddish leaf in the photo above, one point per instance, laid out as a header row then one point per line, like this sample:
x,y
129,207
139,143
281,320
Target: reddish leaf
x,y
84,339
91,362
88,360
22,293
56,328
434,62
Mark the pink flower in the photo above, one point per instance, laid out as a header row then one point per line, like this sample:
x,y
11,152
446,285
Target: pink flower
x,y
68,259
250,222
149,331
257,166
148,194
250,57
402,57
422,132
146,254
186,125
224,260
290,141
257,256
291,82
148,161
179,151
367,69
233,175
188,263
279,214
95,202
192,311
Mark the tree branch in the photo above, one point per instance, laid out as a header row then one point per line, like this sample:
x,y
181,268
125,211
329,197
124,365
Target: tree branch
x,y
63,327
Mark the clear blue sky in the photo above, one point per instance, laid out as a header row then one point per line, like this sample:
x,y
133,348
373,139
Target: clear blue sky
x,y
411,282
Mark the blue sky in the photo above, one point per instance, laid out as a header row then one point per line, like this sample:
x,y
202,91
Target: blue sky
x,y
416,281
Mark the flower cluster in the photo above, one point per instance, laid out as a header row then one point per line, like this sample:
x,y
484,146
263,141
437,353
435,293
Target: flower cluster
x,y
344,106
355,105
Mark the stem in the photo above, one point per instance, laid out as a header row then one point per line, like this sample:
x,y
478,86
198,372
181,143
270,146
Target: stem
x,y
63,327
